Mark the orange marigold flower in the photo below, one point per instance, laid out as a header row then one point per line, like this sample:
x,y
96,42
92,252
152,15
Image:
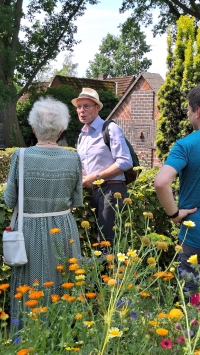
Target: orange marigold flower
x,y
80,271
65,297
74,267
23,289
111,266
31,303
163,315
60,268
55,298
4,287
159,274
35,283
48,284
68,285
105,243
78,316
153,323
81,298
4,316
18,295
129,286
72,260
76,349
36,295
106,278
110,257
54,230
162,332
112,282
145,294
90,295
71,241
95,244
71,299
23,352
39,310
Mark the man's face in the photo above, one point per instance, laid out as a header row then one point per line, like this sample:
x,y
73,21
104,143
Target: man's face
x,y
192,115
87,111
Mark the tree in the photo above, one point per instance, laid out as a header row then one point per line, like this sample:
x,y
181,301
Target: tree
x,y
121,55
183,74
69,68
169,12
30,38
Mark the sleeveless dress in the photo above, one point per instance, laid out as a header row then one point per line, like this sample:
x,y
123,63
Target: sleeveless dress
x,y
52,183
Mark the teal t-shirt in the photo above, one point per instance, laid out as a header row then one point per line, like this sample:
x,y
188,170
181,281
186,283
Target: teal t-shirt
x,y
184,157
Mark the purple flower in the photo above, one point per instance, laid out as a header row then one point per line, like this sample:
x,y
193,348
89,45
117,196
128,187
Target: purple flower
x,y
17,340
133,315
15,321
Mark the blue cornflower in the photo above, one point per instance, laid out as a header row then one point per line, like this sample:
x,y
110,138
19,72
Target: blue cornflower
x,y
133,315
17,340
15,321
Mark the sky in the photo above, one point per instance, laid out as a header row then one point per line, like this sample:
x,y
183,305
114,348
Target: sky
x,y
96,23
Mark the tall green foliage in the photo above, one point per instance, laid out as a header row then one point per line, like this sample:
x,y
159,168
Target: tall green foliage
x,y
183,74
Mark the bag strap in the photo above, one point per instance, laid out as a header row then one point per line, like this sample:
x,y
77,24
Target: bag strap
x,y
105,132
19,209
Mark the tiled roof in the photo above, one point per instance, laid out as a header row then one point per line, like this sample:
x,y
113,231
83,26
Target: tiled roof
x,y
78,83
154,81
43,85
123,83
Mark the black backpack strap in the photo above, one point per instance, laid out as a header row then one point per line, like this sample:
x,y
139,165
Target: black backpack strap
x,y
105,132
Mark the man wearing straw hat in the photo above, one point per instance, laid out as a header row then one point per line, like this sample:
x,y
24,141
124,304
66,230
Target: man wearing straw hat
x,y
100,162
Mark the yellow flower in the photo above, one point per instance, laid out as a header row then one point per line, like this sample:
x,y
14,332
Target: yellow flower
x,y
127,224
151,260
88,323
71,241
162,246
153,323
148,215
114,332
98,182
80,283
97,253
121,256
117,195
78,316
145,241
189,224
112,282
127,200
193,260
54,230
132,253
197,352
176,314
161,331
179,248
85,224
115,228
80,277
80,271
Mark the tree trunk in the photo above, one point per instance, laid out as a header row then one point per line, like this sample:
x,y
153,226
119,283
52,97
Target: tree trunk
x,y
12,133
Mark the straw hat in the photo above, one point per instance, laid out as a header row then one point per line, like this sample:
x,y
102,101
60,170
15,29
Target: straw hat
x,y
88,93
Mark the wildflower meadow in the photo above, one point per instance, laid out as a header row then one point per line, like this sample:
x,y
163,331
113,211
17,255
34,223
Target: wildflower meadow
x,y
121,300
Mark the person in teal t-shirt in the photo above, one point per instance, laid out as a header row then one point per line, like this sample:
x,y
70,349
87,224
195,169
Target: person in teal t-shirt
x,y
184,160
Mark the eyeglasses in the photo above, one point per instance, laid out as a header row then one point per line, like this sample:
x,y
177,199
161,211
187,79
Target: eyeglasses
x,y
85,107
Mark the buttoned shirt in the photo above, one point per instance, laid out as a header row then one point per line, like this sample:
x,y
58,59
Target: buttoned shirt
x,y
94,153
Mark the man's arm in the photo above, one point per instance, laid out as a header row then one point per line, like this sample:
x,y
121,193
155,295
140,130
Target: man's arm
x,y
163,182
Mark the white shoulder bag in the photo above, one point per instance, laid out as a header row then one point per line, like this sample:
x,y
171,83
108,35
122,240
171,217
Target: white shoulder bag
x,y
14,251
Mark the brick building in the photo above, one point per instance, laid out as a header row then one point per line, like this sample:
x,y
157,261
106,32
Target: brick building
x,y
136,113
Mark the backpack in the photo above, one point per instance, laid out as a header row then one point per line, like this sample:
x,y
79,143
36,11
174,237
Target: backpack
x,y
130,175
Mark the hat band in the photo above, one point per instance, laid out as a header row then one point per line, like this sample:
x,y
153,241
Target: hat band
x,y
89,96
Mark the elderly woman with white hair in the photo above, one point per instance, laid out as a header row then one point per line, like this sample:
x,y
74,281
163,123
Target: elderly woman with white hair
x,y
52,186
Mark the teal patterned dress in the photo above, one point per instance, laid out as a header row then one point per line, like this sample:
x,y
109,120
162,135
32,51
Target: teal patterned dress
x,y
52,183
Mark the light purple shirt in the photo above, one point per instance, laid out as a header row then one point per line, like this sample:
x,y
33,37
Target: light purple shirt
x,y
94,153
